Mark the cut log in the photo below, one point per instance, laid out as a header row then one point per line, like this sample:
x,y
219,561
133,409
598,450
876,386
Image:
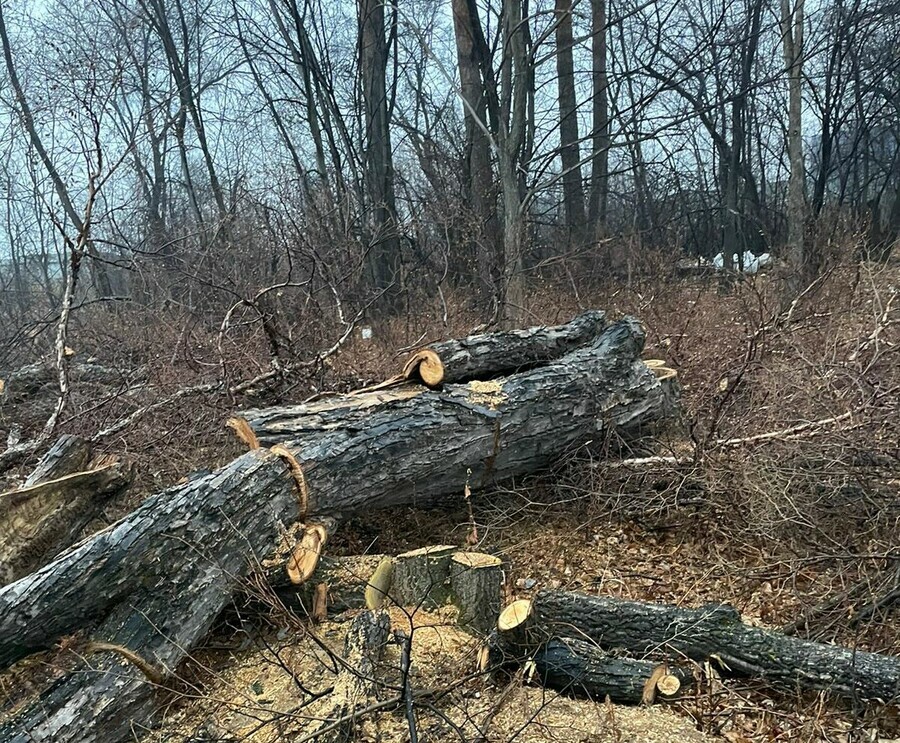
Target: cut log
x,y
57,502
35,379
421,448
356,686
488,355
162,576
715,633
417,446
426,445
578,667
429,578
202,522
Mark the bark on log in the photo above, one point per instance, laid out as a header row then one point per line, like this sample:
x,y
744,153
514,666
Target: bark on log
x,y
161,577
488,355
420,578
475,583
716,633
55,504
578,667
68,455
418,446
178,557
417,451
203,522
471,581
357,682
34,379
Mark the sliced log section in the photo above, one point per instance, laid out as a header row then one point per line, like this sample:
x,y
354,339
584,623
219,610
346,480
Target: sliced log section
x,y
488,355
579,667
57,501
425,578
715,633
357,682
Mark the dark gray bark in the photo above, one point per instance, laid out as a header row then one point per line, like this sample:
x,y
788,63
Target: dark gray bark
x,y
487,355
169,568
196,523
420,447
475,583
716,633
161,577
570,153
407,447
578,667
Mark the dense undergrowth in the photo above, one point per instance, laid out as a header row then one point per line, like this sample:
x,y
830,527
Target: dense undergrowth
x,y
780,494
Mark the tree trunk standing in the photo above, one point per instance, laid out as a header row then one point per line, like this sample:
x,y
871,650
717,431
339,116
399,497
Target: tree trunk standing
x,y
573,188
792,37
383,258
599,197
479,181
513,105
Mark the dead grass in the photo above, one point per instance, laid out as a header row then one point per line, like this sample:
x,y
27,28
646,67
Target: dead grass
x,y
775,527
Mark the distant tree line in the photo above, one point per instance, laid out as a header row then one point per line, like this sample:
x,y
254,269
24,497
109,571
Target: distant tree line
x,y
373,152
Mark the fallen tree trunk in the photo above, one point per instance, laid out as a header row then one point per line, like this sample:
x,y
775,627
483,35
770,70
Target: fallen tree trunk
x,y
178,558
713,633
35,379
488,355
57,501
418,450
161,577
418,446
578,667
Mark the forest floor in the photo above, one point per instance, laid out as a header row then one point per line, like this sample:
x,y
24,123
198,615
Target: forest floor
x,y
775,526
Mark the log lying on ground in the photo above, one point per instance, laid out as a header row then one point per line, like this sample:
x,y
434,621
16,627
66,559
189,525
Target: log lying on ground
x,y
426,447
160,578
418,446
487,355
57,501
188,548
713,633
35,379
578,667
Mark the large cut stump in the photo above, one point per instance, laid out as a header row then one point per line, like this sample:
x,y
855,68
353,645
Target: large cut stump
x,y
57,501
713,633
